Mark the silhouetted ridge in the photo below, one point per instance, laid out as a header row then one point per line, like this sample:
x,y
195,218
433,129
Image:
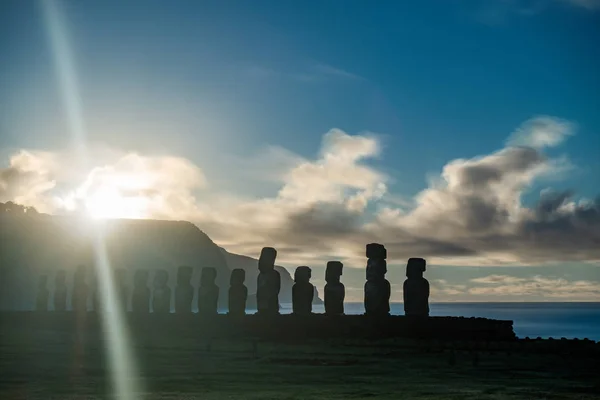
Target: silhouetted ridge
x,y
36,245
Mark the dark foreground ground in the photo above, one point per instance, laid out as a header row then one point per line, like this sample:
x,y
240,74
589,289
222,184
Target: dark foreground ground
x,y
71,363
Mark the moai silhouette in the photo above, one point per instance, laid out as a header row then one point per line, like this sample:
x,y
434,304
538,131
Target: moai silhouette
x,y
238,292
268,283
140,298
80,293
416,288
208,292
41,301
335,291
184,291
377,288
161,302
302,291
60,291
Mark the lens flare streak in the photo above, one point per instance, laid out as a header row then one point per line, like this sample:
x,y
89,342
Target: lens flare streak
x,y
123,371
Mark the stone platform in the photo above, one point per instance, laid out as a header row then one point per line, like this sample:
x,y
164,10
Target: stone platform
x,y
284,327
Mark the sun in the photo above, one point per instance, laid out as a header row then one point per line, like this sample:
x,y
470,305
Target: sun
x,y
114,196
107,202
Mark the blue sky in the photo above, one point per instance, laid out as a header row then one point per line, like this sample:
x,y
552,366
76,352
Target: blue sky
x,y
245,89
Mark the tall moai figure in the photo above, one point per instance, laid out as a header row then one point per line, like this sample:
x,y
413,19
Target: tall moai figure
x,y
140,297
238,292
416,288
161,302
377,288
268,283
302,292
208,292
335,292
60,291
41,300
184,291
79,297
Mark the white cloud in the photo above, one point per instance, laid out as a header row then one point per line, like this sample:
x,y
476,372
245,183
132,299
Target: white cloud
x,y
337,176
541,132
28,178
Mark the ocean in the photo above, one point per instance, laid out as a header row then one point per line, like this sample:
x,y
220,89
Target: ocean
x,y
569,320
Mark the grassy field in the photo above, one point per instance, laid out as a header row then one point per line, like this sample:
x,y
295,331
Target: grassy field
x,y
67,364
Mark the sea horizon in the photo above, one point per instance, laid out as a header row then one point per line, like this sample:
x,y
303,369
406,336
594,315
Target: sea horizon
x,y
545,319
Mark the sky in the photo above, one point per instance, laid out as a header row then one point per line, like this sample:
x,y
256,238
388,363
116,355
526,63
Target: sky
x,y
463,131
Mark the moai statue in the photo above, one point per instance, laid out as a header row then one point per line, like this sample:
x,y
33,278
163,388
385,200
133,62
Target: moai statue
x,y
238,292
268,283
416,288
208,292
140,298
60,291
334,289
302,292
184,291
80,294
377,288
161,303
41,301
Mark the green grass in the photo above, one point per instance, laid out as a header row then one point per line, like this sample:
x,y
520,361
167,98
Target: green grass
x,y
67,365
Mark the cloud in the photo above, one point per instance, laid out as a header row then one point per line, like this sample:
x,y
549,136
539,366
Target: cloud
x,y
28,178
541,132
159,186
547,287
330,206
498,279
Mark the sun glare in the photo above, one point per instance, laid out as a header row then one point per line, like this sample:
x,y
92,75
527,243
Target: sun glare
x,y
107,202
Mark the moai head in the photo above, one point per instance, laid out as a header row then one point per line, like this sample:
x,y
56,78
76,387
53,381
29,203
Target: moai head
x,y
42,282
208,275
302,274
376,269
415,267
161,277
377,251
266,261
61,277
140,278
184,275
333,271
80,273
238,276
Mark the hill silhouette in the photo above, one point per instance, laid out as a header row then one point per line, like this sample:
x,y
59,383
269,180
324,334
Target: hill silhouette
x,y
34,244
